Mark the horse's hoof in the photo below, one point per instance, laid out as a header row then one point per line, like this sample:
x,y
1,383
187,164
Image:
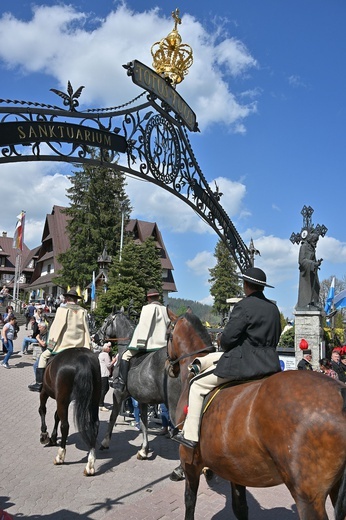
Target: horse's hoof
x,y
89,473
177,475
44,438
104,447
141,456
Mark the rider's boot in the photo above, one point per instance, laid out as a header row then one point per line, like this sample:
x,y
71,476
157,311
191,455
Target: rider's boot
x,y
37,386
121,380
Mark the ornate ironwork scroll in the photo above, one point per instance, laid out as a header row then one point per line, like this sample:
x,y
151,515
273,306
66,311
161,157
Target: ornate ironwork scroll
x,y
146,138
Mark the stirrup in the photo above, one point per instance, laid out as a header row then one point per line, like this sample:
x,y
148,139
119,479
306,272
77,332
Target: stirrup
x,y
35,387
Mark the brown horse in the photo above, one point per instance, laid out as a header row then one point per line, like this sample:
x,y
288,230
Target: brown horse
x,y
288,428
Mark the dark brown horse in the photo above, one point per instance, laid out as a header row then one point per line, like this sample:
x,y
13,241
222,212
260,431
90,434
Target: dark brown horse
x,y
288,428
73,375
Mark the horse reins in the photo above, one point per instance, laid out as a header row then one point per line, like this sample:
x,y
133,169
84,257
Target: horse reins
x,y
173,362
183,356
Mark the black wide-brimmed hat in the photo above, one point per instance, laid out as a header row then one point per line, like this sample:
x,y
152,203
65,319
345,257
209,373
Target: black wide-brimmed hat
x,y
72,292
256,276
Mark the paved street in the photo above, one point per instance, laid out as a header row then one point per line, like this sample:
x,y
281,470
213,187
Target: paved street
x,y
31,487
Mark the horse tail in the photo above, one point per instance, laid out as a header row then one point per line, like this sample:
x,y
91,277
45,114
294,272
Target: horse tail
x,y
85,384
340,506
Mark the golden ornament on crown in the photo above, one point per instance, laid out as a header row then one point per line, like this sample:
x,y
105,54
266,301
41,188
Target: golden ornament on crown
x,y
171,58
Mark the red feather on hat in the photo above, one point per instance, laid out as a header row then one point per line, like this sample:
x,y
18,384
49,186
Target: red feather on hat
x,y
303,345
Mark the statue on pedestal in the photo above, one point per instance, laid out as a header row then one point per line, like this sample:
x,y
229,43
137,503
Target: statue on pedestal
x,y
309,285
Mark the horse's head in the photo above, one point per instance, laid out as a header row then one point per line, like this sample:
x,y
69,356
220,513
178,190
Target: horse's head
x,y
188,339
116,327
123,328
102,332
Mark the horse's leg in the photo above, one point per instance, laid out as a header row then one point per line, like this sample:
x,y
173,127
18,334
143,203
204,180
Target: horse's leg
x,y
192,477
239,503
118,398
310,500
44,437
142,454
62,412
315,510
54,434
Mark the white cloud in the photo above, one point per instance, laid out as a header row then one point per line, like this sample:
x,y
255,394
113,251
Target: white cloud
x,y
69,45
331,250
233,195
201,263
234,55
208,300
34,188
155,204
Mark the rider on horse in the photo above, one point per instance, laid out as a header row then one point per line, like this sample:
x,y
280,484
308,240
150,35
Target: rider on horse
x,y
150,334
69,330
249,343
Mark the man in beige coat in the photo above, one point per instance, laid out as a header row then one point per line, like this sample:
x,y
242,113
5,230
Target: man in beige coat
x,y
69,330
150,334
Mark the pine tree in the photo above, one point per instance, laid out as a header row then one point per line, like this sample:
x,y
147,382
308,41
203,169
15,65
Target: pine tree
x,y
129,279
97,195
224,282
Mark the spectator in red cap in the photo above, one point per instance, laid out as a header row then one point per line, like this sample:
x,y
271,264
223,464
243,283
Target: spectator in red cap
x,y
305,363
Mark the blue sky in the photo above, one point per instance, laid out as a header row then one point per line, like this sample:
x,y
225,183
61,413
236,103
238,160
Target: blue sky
x,y
268,88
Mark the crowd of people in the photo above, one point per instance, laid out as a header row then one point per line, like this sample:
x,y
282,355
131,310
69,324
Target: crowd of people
x,y
334,367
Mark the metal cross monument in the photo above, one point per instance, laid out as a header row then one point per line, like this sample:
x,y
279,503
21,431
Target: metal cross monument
x,y
308,227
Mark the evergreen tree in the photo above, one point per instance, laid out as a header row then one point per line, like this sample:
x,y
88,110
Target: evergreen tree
x,y
97,195
129,279
223,279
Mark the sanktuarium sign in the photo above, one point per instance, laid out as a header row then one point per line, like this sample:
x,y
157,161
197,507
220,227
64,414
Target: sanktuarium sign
x,y
15,133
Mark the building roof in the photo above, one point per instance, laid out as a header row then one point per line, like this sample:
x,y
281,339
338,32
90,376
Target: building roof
x,y
10,254
143,230
55,241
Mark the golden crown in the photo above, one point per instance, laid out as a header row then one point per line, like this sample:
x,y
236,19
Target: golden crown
x,y
171,58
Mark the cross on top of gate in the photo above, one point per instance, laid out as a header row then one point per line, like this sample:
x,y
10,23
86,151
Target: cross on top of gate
x,y
308,227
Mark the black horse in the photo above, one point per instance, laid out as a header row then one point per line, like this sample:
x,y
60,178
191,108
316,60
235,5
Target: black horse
x,y
148,381
72,375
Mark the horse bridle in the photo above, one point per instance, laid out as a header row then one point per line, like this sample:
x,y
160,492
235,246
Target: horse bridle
x,y
109,320
207,349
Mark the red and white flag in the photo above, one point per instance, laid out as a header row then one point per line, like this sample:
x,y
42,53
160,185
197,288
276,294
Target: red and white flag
x,y
18,238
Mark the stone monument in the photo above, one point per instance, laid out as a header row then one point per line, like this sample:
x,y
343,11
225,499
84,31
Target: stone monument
x,y
308,312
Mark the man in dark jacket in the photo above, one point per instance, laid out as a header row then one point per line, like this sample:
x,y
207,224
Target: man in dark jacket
x,y
305,362
337,366
249,343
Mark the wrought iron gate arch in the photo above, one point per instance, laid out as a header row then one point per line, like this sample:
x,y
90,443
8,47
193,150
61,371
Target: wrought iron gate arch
x,y
152,135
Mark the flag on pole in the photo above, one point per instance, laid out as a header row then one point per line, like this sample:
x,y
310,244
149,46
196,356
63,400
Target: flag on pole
x,y
330,297
93,288
18,238
340,300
